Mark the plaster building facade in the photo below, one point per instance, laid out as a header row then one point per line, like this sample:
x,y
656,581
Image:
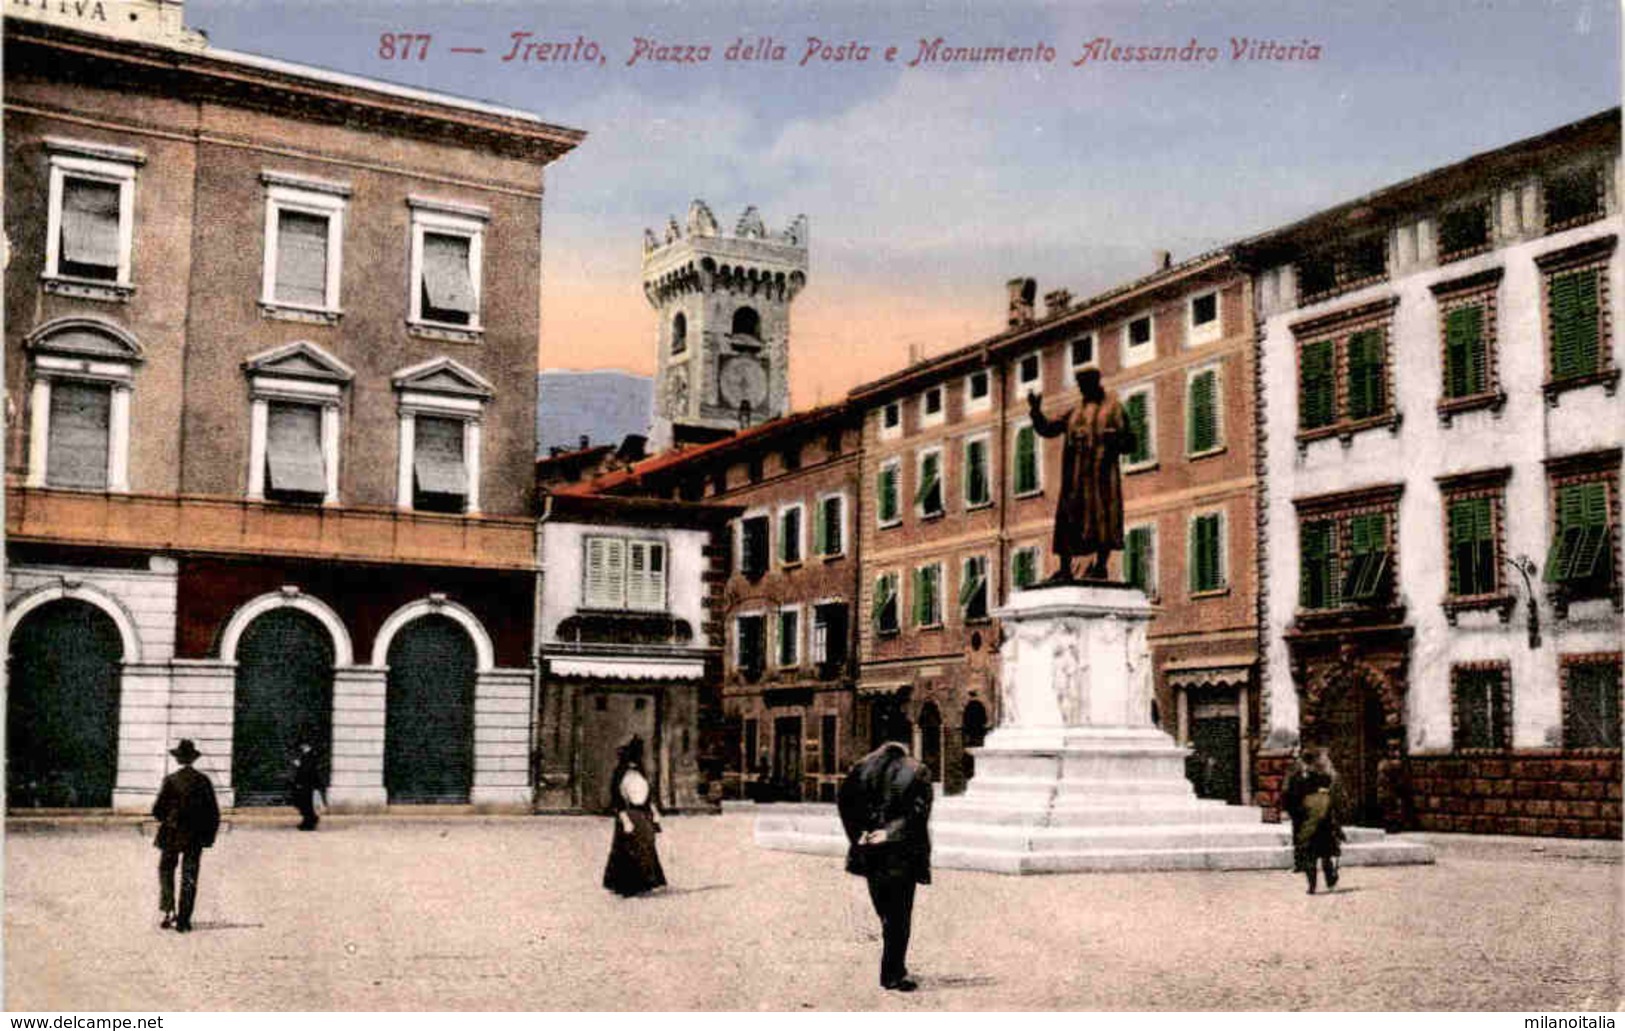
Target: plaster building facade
x,y
722,304
787,593
629,642
1442,436
271,343
960,495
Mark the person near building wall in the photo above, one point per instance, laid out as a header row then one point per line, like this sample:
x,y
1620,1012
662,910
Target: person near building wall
x,y
634,864
188,820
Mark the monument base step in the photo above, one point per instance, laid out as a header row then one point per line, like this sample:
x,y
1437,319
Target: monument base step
x,y
1017,848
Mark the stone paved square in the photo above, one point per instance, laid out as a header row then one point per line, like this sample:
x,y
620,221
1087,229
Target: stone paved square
x,y
507,914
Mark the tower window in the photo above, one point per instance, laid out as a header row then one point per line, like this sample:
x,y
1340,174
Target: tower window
x,y
679,334
747,323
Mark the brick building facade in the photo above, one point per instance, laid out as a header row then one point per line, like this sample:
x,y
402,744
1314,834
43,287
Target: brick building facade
x,y
961,492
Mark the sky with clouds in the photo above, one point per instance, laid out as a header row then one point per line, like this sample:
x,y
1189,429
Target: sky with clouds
x,y
928,187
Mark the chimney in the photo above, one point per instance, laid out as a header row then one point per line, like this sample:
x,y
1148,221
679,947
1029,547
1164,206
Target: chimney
x,y
1022,293
585,440
1165,260
1057,301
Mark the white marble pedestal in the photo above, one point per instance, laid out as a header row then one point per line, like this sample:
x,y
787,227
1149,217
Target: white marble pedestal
x,y
1076,776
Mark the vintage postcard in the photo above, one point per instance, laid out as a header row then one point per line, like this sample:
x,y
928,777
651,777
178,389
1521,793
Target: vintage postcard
x,y
708,506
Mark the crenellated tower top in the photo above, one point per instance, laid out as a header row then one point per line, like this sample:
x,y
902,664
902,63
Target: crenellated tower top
x,y
724,304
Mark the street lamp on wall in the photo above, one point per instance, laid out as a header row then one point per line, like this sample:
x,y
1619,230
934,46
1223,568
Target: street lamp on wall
x,y
1527,569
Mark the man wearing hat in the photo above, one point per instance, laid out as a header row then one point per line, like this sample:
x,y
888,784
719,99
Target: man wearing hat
x,y
188,819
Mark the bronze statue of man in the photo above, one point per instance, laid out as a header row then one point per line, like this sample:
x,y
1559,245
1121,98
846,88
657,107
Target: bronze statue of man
x,y
1089,515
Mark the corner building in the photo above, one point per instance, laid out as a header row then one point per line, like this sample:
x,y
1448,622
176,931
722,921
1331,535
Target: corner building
x,y
271,347
787,579
1442,430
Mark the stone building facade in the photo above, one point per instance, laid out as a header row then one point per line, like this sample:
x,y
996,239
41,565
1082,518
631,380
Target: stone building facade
x,y
1442,435
722,304
271,343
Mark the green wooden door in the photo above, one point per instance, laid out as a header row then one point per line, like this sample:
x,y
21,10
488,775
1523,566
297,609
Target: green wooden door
x,y
284,696
62,707
429,713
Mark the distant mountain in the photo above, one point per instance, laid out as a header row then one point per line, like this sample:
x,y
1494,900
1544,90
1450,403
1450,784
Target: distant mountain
x,y
603,406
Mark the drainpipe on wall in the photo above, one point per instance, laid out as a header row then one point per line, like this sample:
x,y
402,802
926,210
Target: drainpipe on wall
x,y
536,769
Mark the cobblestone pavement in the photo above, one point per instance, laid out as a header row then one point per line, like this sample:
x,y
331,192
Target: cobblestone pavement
x,y
507,914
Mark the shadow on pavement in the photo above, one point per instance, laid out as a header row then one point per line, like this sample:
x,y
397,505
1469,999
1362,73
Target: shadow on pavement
x,y
959,981
670,892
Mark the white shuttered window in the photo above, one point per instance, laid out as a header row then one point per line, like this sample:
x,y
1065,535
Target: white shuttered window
x,y
625,574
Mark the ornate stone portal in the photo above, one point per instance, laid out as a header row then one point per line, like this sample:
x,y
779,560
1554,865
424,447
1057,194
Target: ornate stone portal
x,y
1076,776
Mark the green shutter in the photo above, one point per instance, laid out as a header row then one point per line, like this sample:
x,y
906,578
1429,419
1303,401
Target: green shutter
x,y
1137,558
1026,460
1205,572
1472,544
1022,571
929,494
820,530
1572,299
1201,421
973,580
1317,395
1366,388
883,598
975,472
888,494
1465,351
1134,409
1316,584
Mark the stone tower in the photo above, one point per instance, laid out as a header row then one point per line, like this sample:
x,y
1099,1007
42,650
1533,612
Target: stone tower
x,y
723,303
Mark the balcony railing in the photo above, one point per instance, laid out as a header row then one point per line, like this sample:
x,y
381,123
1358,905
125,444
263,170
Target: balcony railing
x,y
191,523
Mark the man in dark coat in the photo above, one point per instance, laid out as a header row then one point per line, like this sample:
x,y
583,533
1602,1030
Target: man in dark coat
x,y
885,807
188,819
307,780
1089,515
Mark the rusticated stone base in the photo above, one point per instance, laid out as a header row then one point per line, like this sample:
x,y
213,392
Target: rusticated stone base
x,y
1544,793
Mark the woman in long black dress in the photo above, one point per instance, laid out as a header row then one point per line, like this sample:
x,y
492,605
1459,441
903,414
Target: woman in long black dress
x,y
1312,798
634,865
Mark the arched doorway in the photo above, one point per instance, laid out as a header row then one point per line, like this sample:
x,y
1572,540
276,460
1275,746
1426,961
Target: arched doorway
x,y
931,738
284,697
975,732
1352,728
429,714
62,709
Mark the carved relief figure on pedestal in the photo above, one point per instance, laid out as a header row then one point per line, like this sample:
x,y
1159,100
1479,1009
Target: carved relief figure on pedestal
x,y
1009,706
1071,676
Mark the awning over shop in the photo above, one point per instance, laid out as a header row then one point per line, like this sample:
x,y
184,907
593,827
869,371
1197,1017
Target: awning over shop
x,y
626,668
1210,671
881,689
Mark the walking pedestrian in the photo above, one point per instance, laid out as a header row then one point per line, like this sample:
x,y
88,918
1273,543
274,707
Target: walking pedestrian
x,y
634,864
1313,798
307,781
188,820
885,808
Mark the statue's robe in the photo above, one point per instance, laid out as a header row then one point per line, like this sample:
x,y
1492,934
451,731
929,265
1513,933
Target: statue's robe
x,y
1089,515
